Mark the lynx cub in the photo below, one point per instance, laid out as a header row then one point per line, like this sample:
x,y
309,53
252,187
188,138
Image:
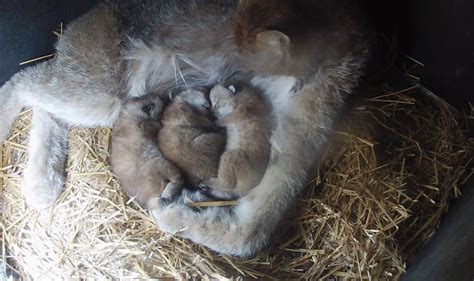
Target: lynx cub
x,y
246,116
189,138
143,172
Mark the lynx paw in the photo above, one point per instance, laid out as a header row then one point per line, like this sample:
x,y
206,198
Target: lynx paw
x,y
170,219
195,196
204,188
208,189
171,191
40,193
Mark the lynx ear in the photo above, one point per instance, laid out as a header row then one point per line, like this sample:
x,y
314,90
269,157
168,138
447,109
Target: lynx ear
x,y
276,40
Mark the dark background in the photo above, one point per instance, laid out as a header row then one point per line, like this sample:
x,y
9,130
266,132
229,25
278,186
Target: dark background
x,y
26,29
438,33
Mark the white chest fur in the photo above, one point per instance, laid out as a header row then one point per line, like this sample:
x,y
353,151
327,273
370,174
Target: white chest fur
x,y
277,89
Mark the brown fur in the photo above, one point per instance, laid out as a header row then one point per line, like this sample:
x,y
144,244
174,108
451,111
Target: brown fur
x,y
255,16
124,49
189,138
307,60
246,116
141,169
298,37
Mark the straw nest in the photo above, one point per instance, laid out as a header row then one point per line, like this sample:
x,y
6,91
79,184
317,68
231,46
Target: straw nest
x,y
393,165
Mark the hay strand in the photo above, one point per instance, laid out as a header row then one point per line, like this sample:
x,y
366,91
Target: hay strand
x,y
37,59
208,204
392,166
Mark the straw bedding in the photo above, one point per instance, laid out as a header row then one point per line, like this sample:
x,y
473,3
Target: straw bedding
x,y
391,168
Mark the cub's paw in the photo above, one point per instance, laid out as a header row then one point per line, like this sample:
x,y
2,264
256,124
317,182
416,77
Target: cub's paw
x,y
211,189
194,196
171,191
204,188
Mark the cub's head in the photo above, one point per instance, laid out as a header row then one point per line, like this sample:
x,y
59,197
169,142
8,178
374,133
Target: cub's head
x,y
139,116
197,100
234,97
144,108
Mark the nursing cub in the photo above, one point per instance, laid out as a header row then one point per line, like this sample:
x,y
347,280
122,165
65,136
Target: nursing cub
x,y
141,169
189,138
192,145
246,117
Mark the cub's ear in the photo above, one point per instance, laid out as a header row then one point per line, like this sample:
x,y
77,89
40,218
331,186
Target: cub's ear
x,y
273,39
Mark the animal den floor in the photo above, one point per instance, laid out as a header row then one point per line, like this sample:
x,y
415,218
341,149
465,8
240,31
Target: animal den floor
x,y
393,164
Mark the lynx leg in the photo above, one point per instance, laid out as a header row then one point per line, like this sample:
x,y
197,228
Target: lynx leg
x,y
10,107
171,172
176,181
76,98
10,95
170,191
226,181
47,152
203,141
76,104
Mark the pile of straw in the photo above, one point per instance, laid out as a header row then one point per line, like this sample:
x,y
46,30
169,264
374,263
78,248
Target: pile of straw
x,y
393,165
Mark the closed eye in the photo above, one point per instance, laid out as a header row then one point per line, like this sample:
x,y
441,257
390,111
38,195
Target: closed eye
x,y
148,108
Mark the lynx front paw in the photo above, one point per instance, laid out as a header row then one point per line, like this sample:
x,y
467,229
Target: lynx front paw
x,y
41,193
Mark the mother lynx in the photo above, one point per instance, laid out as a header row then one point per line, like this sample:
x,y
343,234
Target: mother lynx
x,y
305,55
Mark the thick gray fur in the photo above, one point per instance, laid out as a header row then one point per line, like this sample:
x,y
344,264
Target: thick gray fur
x,y
126,49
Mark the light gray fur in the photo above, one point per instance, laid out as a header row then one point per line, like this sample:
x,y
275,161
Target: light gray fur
x,y
305,120
305,105
99,64
124,49
45,169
